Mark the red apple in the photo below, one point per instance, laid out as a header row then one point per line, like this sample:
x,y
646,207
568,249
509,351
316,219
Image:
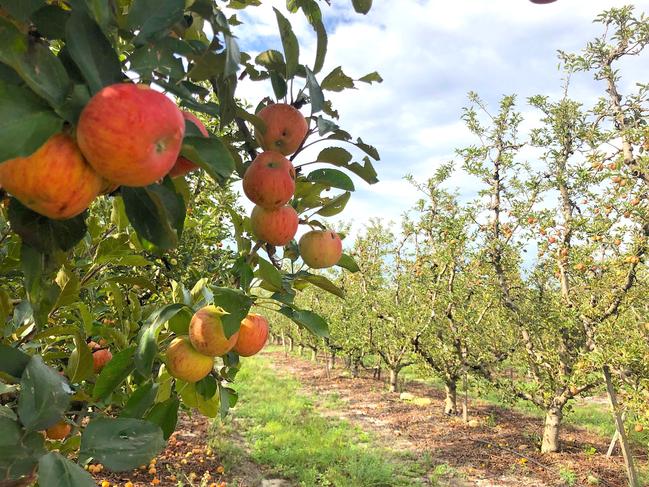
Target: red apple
x,y
54,181
320,248
270,180
286,128
184,165
100,358
277,227
131,134
206,332
185,362
253,334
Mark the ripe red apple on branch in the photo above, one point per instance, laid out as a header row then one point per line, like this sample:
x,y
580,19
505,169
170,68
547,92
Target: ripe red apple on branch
x,y
253,334
277,227
270,180
286,128
206,332
184,165
320,248
185,362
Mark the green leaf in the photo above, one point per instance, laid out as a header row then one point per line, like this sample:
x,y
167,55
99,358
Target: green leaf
x,y
370,150
335,155
12,360
50,21
140,401
153,18
370,78
121,444
289,43
362,6
92,52
337,81
69,288
206,387
228,399
157,212
269,273
315,92
279,85
321,45
80,365
21,9
26,121
34,63
42,233
309,320
272,60
44,396
156,57
332,178
325,126
347,262
19,451
335,205
148,344
190,396
54,470
114,373
211,154
165,415
322,282
236,303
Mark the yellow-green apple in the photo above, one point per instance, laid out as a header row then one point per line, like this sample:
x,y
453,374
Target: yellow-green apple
x,y
285,130
100,358
58,431
131,134
207,334
184,165
277,227
270,180
253,334
320,248
54,181
185,362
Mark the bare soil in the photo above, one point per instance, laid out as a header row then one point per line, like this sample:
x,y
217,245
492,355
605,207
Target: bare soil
x,y
501,450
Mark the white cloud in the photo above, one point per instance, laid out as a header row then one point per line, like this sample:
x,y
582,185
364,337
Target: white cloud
x,y
430,54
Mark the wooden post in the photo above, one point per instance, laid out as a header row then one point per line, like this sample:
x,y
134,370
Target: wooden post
x,y
631,473
611,447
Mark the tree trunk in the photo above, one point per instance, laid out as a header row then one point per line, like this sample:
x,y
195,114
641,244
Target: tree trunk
x,y
450,403
356,368
300,350
631,472
314,355
465,400
290,344
394,380
331,361
376,374
553,417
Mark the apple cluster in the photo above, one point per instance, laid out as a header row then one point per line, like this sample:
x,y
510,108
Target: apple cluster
x,y
269,183
128,134
191,357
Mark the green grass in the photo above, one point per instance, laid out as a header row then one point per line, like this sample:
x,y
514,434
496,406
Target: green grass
x,y
285,431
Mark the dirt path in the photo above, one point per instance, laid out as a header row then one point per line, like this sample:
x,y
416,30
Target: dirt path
x,y
501,450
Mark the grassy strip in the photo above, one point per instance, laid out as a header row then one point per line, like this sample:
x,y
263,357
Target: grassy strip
x,y
284,430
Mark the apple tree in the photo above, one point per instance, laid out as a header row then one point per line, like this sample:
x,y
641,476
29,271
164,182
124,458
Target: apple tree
x,y
91,298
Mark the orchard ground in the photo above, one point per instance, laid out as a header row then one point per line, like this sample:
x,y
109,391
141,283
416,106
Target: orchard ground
x,y
297,425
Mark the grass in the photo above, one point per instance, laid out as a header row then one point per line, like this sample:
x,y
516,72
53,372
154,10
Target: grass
x,y
284,430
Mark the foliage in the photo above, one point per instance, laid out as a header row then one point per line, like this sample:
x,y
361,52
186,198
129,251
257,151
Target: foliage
x,y
127,274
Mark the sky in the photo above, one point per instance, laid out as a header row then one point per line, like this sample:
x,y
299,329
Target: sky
x,y
430,54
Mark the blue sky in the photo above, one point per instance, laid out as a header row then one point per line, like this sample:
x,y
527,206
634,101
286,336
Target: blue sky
x,y
430,53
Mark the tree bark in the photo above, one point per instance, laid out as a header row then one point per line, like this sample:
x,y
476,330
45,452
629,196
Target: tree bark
x,y
356,368
300,350
631,472
450,402
553,417
394,380
465,400
331,361
314,355
290,344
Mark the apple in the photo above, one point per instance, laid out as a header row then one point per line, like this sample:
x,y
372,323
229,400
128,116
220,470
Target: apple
x,y
184,165
206,332
131,134
185,362
270,180
286,128
253,334
542,1
277,227
320,248
58,431
54,181
100,358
